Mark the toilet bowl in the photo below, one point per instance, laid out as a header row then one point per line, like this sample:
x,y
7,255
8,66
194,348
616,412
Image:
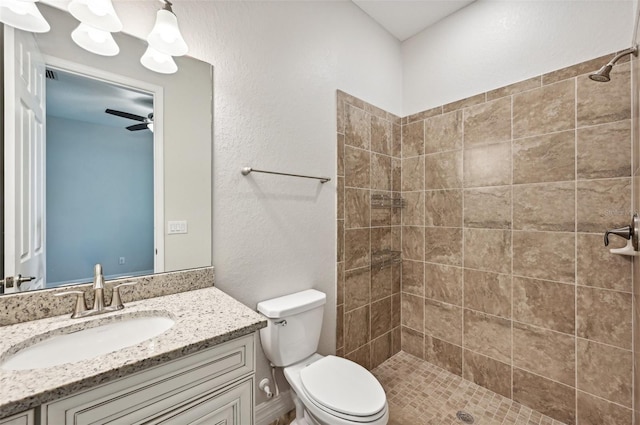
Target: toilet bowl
x,y
337,391
327,390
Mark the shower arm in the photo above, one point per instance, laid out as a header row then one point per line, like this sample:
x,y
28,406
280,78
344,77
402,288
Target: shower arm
x,y
630,51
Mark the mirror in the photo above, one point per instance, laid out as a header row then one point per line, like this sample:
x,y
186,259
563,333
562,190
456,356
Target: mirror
x,y
179,154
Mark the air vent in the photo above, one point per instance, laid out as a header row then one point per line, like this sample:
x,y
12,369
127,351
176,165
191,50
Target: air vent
x,y
51,75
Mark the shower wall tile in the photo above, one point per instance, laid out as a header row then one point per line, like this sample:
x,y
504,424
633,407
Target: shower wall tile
x,y
381,135
549,206
575,70
413,139
488,207
441,353
357,167
488,165
413,277
380,172
487,123
604,150
488,292
603,204
413,213
443,132
443,170
488,372
442,208
546,353
546,304
442,245
604,316
443,321
487,249
605,371
596,411
413,173
519,87
488,335
413,242
544,395
597,267
443,283
423,115
358,128
413,312
602,103
413,342
369,143
545,110
544,255
463,103
547,158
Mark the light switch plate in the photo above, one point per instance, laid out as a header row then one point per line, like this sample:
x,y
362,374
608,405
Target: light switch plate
x,y
177,227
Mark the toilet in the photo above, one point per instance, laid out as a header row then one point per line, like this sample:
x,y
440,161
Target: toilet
x,y
327,390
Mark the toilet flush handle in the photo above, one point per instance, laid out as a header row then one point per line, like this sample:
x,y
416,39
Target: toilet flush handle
x,y
281,322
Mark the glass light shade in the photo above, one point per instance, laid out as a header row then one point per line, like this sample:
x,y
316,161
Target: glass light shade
x,y
99,14
158,61
23,15
95,40
165,36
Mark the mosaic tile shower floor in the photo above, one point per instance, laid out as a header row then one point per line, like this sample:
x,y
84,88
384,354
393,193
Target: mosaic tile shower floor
x,y
420,393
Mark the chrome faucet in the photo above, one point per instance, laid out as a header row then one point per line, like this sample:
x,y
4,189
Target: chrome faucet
x,y
80,309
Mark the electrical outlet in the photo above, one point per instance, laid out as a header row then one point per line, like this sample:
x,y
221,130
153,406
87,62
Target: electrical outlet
x,y
121,260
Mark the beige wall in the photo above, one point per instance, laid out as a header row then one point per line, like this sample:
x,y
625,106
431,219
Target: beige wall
x,y
505,279
368,297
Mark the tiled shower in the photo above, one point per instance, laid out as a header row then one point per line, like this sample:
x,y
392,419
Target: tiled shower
x,y
498,205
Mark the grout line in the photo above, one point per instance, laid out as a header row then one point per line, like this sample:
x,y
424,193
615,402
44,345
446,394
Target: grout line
x,y
511,231
463,241
575,242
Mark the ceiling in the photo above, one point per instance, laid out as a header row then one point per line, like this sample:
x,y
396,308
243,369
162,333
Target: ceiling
x,y
85,99
406,18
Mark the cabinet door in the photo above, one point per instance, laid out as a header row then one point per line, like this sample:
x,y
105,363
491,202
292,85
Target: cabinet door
x,y
231,406
24,418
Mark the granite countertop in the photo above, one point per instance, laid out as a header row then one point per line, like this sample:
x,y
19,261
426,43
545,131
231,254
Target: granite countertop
x,y
203,318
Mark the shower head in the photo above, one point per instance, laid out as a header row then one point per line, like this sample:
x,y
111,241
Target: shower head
x,y
602,76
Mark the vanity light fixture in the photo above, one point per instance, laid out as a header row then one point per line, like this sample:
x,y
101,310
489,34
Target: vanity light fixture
x,y
158,61
94,40
165,36
99,14
23,15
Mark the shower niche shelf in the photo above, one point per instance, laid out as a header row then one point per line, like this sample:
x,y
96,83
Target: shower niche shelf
x,y
385,258
386,201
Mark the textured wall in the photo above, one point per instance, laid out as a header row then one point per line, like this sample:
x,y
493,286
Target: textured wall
x,y
505,278
492,43
368,295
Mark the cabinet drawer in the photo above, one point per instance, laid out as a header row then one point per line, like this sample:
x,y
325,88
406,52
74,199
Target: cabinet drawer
x,y
154,391
24,418
230,406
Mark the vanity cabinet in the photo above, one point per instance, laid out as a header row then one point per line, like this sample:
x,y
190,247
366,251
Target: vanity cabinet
x,y
213,386
24,418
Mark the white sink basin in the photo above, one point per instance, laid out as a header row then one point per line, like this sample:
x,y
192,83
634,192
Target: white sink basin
x,y
87,343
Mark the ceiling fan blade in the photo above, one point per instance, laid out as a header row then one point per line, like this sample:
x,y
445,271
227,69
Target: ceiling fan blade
x,y
137,127
125,115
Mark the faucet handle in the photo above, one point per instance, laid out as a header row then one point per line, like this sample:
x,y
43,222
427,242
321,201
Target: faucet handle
x,y
624,232
81,304
116,300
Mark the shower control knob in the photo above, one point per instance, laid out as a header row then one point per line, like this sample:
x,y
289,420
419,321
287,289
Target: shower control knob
x,y
624,232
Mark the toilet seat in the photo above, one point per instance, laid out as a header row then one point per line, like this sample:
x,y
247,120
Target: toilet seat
x,y
343,389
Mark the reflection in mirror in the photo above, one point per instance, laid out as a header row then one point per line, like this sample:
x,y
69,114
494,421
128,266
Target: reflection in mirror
x,y
130,188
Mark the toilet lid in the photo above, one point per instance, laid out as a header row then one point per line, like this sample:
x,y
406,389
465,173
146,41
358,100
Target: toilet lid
x,y
343,386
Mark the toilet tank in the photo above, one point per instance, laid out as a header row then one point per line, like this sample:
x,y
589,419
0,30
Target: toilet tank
x,y
293,331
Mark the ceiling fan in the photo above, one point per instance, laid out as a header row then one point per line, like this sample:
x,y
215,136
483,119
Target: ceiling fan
x,y
146,122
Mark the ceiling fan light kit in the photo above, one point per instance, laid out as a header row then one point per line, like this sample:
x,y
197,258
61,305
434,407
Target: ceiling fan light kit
x,y
23,15
98,19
